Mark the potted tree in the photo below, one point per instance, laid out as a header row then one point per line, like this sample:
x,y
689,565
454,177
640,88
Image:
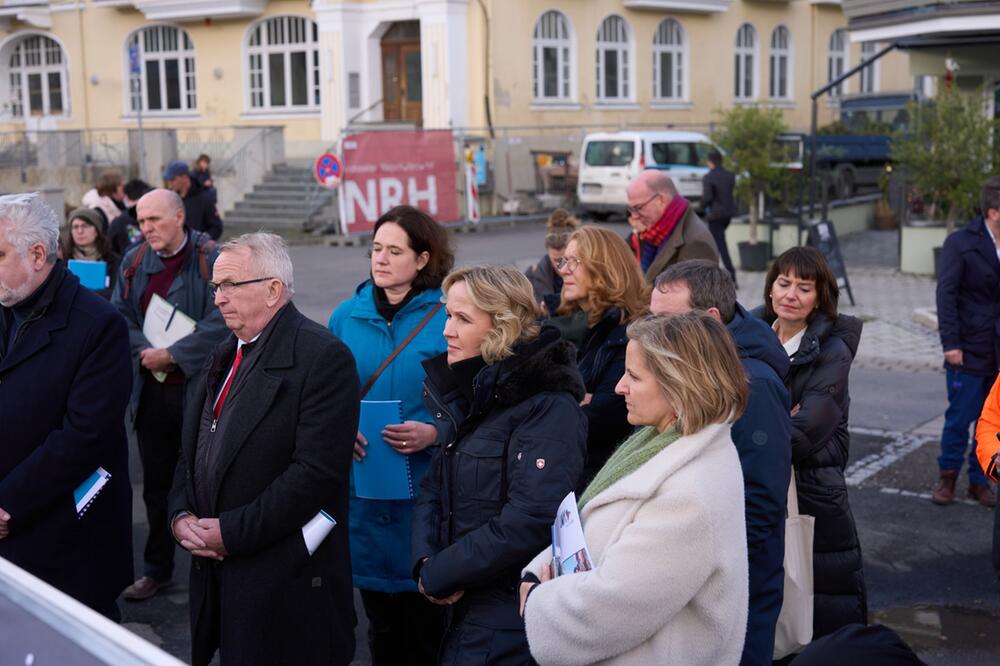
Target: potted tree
x,y
749,136
946,154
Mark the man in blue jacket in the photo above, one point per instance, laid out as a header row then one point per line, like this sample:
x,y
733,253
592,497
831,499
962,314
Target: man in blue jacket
x,y
968,308
64,384
762,435
175,265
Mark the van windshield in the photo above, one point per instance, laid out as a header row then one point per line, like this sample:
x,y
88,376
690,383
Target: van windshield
x,y
609,153
681,153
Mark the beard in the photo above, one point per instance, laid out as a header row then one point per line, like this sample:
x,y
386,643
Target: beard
x,y
11,296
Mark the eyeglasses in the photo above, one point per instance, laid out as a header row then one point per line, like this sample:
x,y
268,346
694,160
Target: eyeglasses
x,y
634,210
567,263
227,286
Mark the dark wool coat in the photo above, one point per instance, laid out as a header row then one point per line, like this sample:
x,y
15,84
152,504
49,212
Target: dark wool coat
x,y
601,360
64,386
200,213
717,194
690,239
505,462
968,298
818,383
285,455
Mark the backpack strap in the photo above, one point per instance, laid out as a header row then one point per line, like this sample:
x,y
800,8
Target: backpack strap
x,y
133,268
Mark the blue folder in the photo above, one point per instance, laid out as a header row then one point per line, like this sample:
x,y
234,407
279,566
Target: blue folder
x,y
382,473
92,274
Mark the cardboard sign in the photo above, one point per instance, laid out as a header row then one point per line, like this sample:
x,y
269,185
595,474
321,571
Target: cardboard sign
x,y
387,169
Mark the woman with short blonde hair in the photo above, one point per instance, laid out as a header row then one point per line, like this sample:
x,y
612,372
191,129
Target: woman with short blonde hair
x,y
512,437
663,520
603,291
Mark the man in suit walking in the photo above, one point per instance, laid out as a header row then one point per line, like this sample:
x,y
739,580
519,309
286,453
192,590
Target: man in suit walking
x,y
719,205
267,445
64,384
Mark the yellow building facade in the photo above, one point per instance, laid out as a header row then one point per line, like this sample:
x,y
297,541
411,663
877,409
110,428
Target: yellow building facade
x,y
315,68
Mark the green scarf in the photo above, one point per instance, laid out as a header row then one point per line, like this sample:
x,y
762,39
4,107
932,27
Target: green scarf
x,y
634,452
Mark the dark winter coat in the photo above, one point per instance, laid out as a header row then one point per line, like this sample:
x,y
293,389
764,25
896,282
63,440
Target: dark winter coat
x,y
64,385
505,462
601,360
818,384
283,453
546,282
717,194
200,213
124,232
763,439
968,299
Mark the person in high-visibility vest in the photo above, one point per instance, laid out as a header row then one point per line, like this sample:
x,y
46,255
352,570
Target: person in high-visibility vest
x,y
987,432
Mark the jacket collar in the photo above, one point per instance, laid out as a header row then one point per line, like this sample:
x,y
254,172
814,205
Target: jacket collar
x,y
671,246
647,480
49,313
364,301
984,243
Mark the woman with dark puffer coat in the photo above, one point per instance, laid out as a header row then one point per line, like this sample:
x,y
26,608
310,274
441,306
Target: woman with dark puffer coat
x,y
800,302
512,437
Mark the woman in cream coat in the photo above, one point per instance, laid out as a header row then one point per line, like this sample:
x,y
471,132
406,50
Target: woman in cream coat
x,y
663,519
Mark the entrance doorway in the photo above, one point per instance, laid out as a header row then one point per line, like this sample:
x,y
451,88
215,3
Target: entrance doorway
x,y
402,92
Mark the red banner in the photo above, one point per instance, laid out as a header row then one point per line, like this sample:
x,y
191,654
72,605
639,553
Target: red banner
x,y
386,169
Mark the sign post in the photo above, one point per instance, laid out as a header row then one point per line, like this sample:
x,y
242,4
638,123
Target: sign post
x,y
135,77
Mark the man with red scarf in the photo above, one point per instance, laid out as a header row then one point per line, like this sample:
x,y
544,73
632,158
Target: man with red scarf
x,y
665,228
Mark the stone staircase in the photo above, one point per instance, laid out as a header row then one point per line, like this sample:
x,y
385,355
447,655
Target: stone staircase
x,y
287,198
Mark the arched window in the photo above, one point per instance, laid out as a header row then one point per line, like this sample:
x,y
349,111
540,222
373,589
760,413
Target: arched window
x,y
836,63
669,61
781,67
746,62
869,75
37,70
284,63
166,81
552,60
613,62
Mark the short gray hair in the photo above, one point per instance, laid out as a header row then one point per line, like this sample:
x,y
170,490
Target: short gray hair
x,y
268,256
710,285
28,220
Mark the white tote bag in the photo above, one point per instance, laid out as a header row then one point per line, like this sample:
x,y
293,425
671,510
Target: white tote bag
x,y
795,623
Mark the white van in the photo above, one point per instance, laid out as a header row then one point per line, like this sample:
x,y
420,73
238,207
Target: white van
x,y
609,160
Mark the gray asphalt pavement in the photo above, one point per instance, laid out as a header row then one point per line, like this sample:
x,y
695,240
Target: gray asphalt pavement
x,y
927,568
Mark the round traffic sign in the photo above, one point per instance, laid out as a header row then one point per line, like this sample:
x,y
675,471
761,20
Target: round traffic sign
x,y
328,170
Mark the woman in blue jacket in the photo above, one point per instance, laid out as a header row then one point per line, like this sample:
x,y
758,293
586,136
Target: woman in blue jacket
x,y
410,256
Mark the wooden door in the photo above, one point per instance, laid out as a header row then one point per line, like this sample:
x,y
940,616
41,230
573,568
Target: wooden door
x,y
402,90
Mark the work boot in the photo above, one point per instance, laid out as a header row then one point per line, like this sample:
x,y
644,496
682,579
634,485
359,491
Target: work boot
x,y
143,589
985,495
944,492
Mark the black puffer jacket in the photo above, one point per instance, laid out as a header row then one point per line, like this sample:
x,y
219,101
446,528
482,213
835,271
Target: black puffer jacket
x,y
818,384
504,464
601,360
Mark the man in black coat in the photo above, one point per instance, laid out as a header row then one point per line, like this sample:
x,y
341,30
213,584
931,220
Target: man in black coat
x,y
200,213
65,376
124,231
719,206
762,435
968,308
267,446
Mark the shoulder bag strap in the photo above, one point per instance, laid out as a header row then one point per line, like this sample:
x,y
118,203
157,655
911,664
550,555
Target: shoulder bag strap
x,y
131,270
402,345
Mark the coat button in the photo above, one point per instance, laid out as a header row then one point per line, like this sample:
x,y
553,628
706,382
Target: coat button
x,y
438,415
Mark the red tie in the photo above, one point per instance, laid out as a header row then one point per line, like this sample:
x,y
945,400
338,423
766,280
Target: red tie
x,y
229,382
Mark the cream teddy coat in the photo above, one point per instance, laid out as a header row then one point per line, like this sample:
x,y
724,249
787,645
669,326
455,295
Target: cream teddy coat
x,y
670,580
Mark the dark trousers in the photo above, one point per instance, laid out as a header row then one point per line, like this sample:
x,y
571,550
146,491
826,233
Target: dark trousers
x,y
403,628
158,429
718,229
966,395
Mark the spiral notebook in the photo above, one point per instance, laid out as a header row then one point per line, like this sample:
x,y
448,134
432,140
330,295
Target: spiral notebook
x,y
85,493
383,473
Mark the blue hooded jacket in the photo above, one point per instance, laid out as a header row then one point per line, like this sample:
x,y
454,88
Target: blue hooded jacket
x,y
380,529
763,440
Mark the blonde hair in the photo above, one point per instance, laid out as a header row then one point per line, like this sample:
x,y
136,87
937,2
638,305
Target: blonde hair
x,y
615,277
506,295
558,228
693,358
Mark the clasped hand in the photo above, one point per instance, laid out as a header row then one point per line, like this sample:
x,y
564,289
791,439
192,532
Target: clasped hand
x,y
202,537
407,438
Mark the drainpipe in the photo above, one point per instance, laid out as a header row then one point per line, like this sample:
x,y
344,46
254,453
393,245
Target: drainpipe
x,y
486,71
83,67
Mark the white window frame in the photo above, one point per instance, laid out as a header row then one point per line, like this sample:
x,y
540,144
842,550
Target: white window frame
x,y
622,45
256,77
17,76
554,21
838,60
747,58
781,57
870,81
183,53
670,38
